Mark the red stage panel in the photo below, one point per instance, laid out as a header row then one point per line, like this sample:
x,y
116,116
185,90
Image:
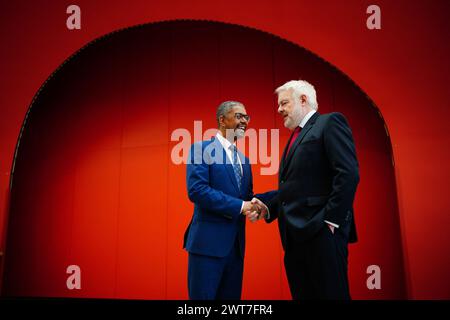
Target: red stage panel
x,y
93,222
94,184
142,225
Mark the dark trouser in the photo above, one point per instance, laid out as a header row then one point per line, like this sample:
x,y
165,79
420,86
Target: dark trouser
x,y
211,278
317,268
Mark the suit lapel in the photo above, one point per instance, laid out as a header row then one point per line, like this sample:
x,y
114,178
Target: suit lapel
x,y
285,161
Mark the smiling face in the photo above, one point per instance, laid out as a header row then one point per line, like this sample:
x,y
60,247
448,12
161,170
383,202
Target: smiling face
x,y
292,109
234,123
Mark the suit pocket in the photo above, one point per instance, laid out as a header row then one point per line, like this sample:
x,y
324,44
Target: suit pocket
x,y
310,142
316,201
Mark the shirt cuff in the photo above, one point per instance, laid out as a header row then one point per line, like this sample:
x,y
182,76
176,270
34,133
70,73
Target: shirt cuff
x,y
242,207
332,224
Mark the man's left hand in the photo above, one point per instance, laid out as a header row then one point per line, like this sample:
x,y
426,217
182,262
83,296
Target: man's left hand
x,y
259,210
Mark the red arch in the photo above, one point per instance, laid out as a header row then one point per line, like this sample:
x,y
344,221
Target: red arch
x,y
88,155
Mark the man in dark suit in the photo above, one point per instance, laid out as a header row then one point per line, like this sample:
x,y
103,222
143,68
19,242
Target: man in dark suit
x,y
317,181
219,183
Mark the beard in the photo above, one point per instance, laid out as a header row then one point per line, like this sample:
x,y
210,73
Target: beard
x,y
292,121
239,133
232,135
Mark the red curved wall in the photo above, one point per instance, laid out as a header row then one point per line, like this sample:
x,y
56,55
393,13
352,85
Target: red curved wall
x,y
402,67
94,184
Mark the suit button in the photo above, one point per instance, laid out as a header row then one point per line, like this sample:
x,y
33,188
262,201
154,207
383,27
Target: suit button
x,y
282,181
348,216
283,204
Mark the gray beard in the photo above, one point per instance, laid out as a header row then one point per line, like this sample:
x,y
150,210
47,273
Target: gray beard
x,y
239,133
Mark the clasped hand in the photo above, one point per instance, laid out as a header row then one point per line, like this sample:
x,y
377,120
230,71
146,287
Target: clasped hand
x,y
254,210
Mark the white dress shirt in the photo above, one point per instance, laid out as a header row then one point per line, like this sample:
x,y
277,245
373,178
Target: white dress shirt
x,y
306,118
226,145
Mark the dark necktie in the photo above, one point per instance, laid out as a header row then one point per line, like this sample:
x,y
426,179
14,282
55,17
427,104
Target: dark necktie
x,y
291,142
236,166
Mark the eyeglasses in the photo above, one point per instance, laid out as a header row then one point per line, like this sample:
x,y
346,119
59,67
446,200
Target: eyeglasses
x,y
239,116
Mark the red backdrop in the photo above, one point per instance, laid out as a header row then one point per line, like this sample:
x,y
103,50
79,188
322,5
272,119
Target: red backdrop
x,y
103,193
90,193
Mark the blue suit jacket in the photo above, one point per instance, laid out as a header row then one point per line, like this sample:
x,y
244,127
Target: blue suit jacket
x,y
212,187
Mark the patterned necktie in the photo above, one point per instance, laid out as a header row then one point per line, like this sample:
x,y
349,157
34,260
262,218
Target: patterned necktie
x,y
236,166
291,142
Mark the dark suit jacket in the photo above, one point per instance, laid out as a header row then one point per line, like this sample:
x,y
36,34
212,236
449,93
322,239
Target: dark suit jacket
x,y
317,181
212,187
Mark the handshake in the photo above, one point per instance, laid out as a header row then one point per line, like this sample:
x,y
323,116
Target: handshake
x,y
254,210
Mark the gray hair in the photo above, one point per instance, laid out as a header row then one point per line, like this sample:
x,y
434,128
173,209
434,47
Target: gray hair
x,y
301,87
224,108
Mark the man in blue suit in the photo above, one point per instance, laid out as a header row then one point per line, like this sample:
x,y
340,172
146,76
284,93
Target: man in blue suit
x,y
219,183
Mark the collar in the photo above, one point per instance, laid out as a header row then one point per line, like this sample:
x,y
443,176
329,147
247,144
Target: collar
x,y
306,118
224,142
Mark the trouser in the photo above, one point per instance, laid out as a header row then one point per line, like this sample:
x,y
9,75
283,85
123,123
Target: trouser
x,y
213,278
317,267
